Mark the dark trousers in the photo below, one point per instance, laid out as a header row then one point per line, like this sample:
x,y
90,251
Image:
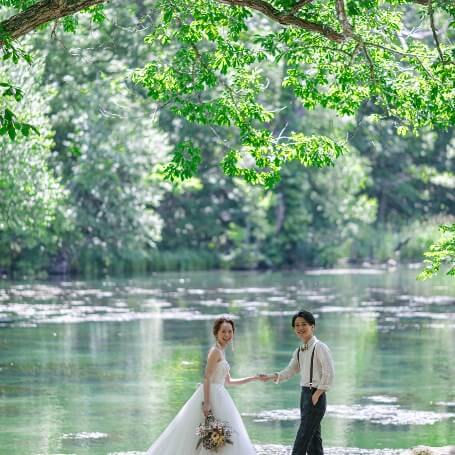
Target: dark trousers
x,y
308,440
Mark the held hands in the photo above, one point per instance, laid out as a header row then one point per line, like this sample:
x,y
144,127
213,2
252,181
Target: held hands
x,y
266,377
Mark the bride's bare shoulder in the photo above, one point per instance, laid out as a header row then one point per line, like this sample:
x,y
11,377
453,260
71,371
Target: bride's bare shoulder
x,y
214,354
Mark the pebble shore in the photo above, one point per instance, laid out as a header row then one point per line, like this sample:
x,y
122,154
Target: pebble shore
x,y
276,449
272,449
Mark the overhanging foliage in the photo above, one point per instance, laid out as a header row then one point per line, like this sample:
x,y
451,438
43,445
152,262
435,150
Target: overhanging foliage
x,y
208,62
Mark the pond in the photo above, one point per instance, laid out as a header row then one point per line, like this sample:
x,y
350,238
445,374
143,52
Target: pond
x,y
101,367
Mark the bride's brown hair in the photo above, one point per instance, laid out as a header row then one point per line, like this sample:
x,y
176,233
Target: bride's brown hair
x,y
220,320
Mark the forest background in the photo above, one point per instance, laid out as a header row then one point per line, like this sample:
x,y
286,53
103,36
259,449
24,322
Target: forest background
x,y
88,195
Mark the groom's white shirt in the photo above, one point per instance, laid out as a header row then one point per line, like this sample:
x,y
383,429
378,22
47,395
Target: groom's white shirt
x,y
323,369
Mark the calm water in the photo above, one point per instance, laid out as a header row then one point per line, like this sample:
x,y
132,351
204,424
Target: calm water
x,y
101,367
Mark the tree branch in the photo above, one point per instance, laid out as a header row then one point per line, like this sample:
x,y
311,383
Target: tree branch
x,y
287,19
370,63
40,13
433,30
48,10
399,52
343,18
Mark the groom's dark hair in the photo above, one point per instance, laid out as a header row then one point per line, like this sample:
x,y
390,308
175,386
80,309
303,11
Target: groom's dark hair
x,y
305,315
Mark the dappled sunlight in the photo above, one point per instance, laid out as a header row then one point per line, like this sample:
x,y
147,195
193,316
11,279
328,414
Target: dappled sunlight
x,y
375,413
344,272
85,435
382,399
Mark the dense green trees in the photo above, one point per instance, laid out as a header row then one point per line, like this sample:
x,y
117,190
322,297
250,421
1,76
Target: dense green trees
x,y
103,153
106,147
262,90
31,192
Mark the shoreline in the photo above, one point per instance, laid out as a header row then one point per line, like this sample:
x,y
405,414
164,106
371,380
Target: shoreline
x,y
276,449
349,267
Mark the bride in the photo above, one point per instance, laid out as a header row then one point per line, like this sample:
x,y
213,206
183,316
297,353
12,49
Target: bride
x,y
180,438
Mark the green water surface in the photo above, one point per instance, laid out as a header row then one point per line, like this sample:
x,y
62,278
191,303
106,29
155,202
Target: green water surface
x,y
101,367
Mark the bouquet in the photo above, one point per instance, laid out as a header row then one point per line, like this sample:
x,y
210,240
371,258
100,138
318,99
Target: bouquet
x,y
213,434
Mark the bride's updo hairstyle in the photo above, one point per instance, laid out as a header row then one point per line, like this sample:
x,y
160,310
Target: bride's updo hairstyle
x,y
219,321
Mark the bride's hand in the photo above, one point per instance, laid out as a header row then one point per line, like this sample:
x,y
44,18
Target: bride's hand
x,y
264,377
206,408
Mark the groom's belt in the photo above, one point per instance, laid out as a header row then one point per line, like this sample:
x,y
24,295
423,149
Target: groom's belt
x,y
306,387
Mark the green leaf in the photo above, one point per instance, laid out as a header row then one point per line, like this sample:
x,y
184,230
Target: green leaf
x,y
70,24
12,132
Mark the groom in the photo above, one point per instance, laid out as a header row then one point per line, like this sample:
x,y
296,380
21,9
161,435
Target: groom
x,y
313,361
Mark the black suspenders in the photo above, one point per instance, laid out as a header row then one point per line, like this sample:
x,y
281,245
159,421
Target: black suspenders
x,y
311,367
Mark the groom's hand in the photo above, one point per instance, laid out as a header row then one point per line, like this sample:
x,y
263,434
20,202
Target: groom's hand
x,y
315,397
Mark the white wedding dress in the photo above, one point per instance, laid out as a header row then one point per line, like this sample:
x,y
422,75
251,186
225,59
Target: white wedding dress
x,y
180,438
